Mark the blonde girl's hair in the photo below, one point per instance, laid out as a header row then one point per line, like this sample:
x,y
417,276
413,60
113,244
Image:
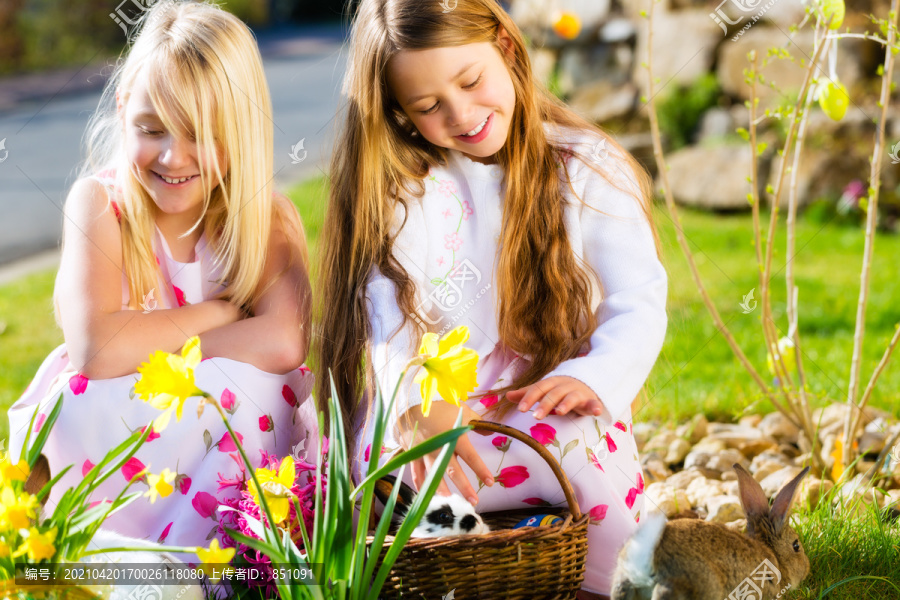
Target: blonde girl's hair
x,y
380,161
204,72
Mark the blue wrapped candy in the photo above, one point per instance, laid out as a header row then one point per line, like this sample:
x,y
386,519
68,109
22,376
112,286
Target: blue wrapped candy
x,y
538,521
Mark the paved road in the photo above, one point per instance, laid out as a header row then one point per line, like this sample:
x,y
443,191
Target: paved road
x,y
304,67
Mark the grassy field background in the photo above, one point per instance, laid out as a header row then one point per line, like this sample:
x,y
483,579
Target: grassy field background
x,y
696,371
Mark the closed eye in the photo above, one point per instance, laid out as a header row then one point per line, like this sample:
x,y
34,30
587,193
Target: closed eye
x,y
147,131
473,84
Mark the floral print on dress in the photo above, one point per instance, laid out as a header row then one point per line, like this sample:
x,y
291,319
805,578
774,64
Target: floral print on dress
x,y
78,384
452,241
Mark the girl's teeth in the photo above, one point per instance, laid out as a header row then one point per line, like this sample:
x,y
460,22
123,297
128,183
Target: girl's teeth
x,y
167,180
477,130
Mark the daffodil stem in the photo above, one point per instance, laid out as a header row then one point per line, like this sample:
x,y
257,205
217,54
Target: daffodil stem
x,y
179,549
240,447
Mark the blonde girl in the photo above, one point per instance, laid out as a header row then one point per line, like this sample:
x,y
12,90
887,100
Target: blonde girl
x,y
464,194
173,231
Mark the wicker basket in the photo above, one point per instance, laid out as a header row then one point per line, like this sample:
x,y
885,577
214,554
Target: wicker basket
x,y
526,563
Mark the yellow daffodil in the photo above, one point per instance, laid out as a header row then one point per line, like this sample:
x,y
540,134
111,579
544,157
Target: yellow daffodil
x,y
168,380
11,472
160,485
215,555
4,549
276,487
16,512
37,545
447,367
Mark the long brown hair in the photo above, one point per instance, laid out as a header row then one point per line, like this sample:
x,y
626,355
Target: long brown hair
x,y
379,162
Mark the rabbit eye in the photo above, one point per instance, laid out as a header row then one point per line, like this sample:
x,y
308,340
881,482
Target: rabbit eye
x,y
796,545
446,517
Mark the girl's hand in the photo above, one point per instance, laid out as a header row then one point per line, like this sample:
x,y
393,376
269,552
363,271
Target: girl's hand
x,y
562,393
441,418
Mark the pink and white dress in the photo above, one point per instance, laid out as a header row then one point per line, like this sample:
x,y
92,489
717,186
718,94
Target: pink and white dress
x,y
448,246
263,408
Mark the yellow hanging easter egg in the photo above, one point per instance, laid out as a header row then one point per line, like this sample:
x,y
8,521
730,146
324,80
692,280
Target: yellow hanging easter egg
x,y
833,7
788,355
834,100
567,25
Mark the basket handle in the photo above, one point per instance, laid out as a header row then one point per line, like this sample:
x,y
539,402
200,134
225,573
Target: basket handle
x,y
542,452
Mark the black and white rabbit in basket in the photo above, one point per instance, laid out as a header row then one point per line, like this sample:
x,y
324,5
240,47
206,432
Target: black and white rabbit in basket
x,y
445,515
691,559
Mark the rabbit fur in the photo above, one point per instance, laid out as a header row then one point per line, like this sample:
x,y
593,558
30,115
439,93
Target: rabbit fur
x,y
445,515
691,559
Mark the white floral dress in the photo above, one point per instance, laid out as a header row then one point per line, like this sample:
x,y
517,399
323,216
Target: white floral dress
x,y
448,247
97,415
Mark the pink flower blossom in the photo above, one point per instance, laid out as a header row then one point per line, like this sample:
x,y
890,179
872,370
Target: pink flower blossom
x,y
153,435
289,396
205,504
447,188
183,484
621,425
78,384
369,451
489,401
536,502
501,442
131,468
466,210
512,476
164,534
179,295
598,513
595,461
227,399
86,467
226,444
39,422
543,433
452,241
265,423
610,444
446,213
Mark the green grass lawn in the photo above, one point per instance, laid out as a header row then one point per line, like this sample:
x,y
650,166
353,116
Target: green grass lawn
x,y
696,371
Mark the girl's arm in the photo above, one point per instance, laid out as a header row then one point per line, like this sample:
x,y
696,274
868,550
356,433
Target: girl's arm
x,y
102,340
276,337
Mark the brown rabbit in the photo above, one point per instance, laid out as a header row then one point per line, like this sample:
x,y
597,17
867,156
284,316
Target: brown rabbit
x,y
691,559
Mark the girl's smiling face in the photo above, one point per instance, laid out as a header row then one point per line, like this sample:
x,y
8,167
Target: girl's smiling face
x,y
167,162
457,97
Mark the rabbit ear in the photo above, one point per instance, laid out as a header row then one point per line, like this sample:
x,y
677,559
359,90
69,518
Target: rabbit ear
x,y
753,499
782,503
384,487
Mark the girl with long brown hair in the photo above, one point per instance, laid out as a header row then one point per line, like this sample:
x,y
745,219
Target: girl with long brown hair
x,y
464,194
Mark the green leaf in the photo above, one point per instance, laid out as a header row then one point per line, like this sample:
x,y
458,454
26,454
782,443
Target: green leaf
x,y
743,133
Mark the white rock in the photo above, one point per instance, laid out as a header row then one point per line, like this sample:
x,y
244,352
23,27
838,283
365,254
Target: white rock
x,y
701,489
678,449
811,491
724,509
766,468
695,430
777,480
643,432
777,426
710,177
660,442
664,498
709,445
682,479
